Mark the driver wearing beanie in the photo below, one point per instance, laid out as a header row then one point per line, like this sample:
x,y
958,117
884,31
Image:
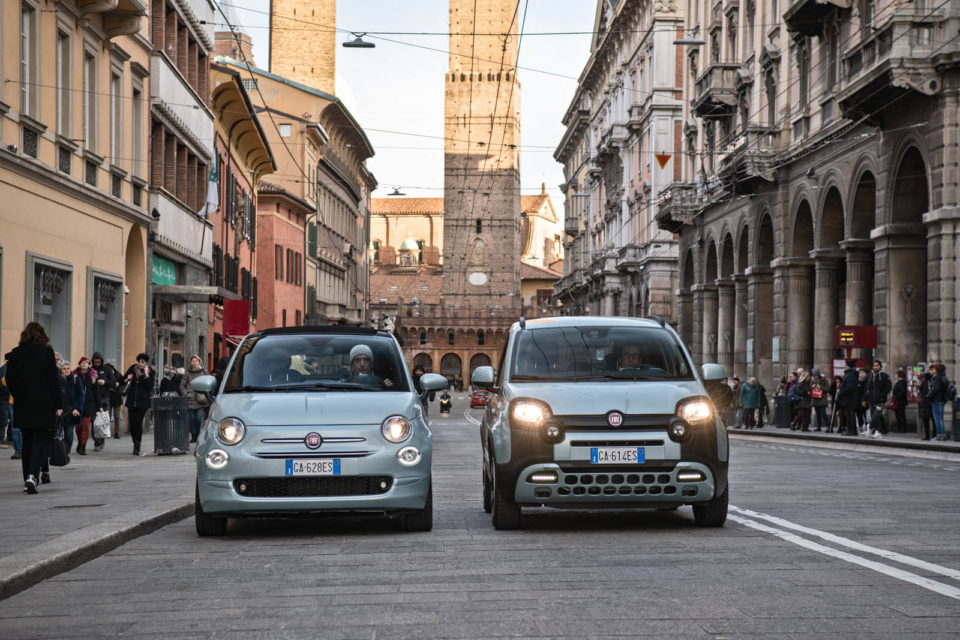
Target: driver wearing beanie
x,y
361,367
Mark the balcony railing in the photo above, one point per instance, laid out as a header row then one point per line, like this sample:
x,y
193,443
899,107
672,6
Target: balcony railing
x,y
677,205
716,89
807,16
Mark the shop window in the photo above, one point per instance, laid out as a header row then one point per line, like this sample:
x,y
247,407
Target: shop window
x,y
52,305
104,298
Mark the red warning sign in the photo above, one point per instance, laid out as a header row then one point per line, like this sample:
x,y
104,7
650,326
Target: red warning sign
x,y
662,159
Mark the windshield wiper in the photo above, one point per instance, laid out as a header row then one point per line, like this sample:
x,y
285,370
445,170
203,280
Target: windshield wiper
x,y
249,388
608,376
523,378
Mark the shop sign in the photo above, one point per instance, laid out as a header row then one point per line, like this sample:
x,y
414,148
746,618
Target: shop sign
x,y
164,271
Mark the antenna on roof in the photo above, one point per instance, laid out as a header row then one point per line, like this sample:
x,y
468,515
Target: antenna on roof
x,y
656,318
523,323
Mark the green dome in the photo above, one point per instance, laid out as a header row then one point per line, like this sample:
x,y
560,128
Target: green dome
x,y
409,245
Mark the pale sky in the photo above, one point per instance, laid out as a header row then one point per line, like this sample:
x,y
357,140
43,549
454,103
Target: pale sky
x,y
398,87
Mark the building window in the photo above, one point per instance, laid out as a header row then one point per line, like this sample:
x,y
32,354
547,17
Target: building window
x,y
116,184
423,337
31,141
51,303
137,195
297,316
376,252
105,320
136,130
116,119
90,173
285,130
283,318
803,63
770,88
290,265
278,262
89,101
64,158
481,337
64,77
479,226
28,59
451,338
250,84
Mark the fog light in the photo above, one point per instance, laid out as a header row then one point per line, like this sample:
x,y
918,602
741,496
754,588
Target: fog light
x,y
678,430
242,487
383,484
547,477
690,476
217,459
552,431
409,456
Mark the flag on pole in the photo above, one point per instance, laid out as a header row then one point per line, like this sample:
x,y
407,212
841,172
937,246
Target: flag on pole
x,y
213,191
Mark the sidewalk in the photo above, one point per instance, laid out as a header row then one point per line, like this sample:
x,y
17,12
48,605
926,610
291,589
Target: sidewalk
x,y
96,503
905,442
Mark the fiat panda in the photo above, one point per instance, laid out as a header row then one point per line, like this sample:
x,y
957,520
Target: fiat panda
x,y
599,412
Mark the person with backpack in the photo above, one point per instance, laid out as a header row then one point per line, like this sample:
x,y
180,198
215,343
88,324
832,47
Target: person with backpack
x,y
197,402
818,398
108,383
801,391
875,394
898,398
848,399
139,380
938,396
748,401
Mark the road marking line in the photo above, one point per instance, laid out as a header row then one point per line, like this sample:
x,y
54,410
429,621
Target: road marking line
x,y
853,544
466,414
926,583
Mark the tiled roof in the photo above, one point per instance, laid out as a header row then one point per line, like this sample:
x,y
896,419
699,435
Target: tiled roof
x,y
531,272
426,284
406,205
532,204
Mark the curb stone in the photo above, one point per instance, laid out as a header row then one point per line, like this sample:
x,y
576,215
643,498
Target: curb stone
x,y
26,568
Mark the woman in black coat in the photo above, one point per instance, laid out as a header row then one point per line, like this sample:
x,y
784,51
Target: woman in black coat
x,y
35,386
139,380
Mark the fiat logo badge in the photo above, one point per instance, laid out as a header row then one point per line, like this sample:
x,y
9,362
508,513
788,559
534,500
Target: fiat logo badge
x,y
615,418
313,440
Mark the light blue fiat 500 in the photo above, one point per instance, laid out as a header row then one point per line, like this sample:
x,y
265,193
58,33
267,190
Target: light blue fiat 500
x,y
315,421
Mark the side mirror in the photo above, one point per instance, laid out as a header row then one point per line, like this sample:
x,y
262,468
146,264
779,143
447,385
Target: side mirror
x,y
433,382
483,377
204,384
712,372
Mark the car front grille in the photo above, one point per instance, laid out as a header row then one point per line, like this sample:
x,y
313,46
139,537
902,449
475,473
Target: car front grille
x,y
313,487
622,483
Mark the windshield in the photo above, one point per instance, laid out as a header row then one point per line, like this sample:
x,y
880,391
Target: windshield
x,y
318,362
598,353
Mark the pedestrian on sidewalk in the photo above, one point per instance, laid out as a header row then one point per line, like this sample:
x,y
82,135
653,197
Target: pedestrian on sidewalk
x,y
92,404
899,398
748,401
116,399
801,391
197,402
818,398
221,371
875,399
139,382
32,378
763,407
836,418
925,409
73,396
862,404
7,431
106,383
848,399
735,387
938,396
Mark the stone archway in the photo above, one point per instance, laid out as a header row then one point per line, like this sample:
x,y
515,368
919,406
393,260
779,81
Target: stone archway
x,y
451,365
423,360
135,298
726,306
760,291
828,279
479,360
710,305
740,312
685,299
858,255
798,274
901,249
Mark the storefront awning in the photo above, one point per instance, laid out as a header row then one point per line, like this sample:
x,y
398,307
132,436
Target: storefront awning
x,y
192,293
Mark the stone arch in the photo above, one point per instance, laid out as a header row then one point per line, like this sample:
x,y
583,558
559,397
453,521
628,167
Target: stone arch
x,y
688,276
451,365
726,257
766,240
743,249
909,191
135,279
479,360
424,360
862,213
831,220
802,236
710,266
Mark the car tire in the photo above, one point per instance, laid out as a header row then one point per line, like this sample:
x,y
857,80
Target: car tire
x,y
487,493
207,525
505,511
421,520
713,513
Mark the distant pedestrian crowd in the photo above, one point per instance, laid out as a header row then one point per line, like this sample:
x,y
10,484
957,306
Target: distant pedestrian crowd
x,y
856,403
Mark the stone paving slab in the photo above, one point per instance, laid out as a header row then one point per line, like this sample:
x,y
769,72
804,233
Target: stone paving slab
x,y
93,505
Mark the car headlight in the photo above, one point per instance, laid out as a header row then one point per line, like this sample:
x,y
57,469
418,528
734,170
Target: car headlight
x,y
529,413
695,410
396,429
230,431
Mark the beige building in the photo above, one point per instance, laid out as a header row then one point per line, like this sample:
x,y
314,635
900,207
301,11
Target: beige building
x,y
619,150
74,141
820,183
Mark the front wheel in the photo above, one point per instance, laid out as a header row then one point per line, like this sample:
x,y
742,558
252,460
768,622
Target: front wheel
x,y
506,512
487,493
713,513
421,520
207,525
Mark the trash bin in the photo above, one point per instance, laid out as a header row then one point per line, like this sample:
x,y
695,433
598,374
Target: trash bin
x,y
781,412
171,425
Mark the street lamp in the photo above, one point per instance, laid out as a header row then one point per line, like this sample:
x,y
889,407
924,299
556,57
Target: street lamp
x,y
396,192
359,42
691,42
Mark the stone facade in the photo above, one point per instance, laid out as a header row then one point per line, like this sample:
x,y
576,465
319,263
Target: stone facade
x,y
626,111
820,186
303,42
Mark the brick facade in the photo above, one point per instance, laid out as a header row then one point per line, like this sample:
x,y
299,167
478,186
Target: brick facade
x,y
307,57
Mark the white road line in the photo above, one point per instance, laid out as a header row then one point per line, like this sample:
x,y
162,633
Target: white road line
x,y
466,414
938,587
853,544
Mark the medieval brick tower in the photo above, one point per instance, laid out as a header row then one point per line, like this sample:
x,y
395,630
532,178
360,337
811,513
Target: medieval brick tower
x,y
481,234
303,41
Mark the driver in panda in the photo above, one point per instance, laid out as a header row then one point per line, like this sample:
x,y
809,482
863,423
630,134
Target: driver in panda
x,y
361,368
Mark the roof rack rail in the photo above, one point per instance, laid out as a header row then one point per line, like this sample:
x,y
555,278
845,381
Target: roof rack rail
x,y
657,318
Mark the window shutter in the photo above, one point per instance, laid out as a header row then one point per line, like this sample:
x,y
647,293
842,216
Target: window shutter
x,y
312,239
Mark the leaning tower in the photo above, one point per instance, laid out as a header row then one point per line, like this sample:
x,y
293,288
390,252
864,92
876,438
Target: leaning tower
x,y
481,232
303,41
